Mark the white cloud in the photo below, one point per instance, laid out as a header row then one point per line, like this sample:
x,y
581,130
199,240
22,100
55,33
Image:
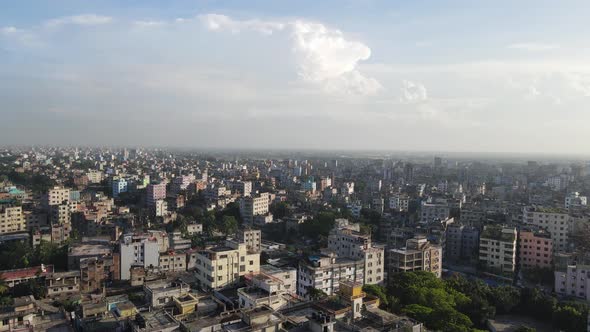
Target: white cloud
x,y
148,24
83,19
323,55
533,47
8,30
412,92
221,22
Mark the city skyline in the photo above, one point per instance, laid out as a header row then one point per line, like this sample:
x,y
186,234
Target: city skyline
x,y
372,75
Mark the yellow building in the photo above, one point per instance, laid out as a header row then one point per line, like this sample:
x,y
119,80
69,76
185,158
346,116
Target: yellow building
x,y
218,267
186,304
11,219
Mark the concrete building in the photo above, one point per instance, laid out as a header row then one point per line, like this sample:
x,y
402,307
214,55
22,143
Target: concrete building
x,y
536,248
11,219
138,250
95,272
418,255
119,186
252,238
325,272
574,282
253,206
287,275
346,241
574,199
193,229
155,192
160,293
462,242
497,249
244,188
172,261
56,196
222,266
556,221
434,210
399,203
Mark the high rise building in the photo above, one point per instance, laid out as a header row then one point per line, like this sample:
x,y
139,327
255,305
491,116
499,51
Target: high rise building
x,y
154,192
138,250
253,206
497,249
556,221
346,241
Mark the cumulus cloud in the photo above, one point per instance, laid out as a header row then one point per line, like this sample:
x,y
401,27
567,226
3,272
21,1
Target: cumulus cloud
x,y
412,92
323,55
533,47
83,19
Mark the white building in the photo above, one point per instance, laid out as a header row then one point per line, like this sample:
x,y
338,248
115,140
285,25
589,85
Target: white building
x,y
325,272
399,203
434,210
346,241
119,186
575,282
253,206
557,221
142,250
497,249
574,199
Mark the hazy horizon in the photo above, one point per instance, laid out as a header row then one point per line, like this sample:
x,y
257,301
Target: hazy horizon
x,y
453,77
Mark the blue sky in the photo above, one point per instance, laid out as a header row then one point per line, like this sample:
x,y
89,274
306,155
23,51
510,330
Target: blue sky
x,y
397,75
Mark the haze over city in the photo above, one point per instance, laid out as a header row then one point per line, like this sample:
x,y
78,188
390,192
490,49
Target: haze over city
x,y
499,76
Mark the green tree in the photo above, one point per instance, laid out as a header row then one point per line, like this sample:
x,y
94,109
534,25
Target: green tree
x,y
229,225
316,294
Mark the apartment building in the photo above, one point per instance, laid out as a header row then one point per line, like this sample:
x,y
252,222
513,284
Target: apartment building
x,y
556,221
253,206
94,272
574,281
119,186
417,255
399,203
346,241
56,196
325,272
138,250
172,261
497,249
252,238
536,248
11,219
461,242
574,199
433,210
244,188
222,266
155,192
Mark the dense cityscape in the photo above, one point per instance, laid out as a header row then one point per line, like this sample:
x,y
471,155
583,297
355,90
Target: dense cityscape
x,y
136,239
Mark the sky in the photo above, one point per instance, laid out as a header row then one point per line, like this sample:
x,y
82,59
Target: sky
x,y
464,76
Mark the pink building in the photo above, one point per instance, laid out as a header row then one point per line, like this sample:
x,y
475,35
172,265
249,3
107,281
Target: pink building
x,y
155,192
535,248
